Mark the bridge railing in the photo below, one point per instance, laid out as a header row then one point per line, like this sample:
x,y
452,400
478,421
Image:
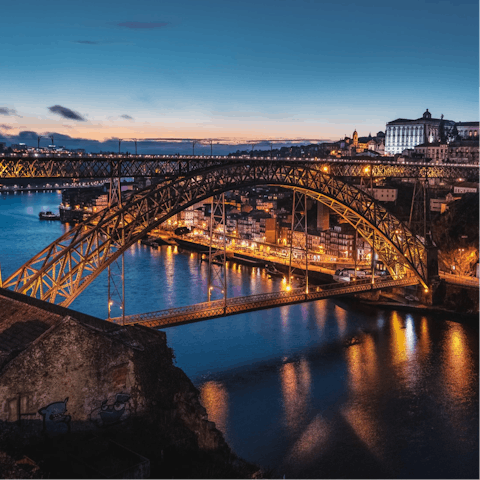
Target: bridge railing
x,y
293,295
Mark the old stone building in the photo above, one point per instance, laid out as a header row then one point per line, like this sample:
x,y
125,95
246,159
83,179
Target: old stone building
x,y
66,375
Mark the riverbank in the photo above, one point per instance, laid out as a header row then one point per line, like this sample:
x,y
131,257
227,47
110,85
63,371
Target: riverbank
x,y
457,297
318,273
420,308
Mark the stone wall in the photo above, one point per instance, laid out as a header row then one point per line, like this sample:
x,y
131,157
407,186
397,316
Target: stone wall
x,y
119,384
72,377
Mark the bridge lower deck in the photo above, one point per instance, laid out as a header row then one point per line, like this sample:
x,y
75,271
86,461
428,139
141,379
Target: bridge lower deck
x,y
220,308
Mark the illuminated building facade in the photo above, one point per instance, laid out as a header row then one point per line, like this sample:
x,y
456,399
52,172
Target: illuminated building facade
x,y
468,130
403,134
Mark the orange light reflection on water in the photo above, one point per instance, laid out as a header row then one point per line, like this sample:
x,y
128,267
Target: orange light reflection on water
x,y
341,316
424,343
398,340
214,397
457,363
362,365
296,383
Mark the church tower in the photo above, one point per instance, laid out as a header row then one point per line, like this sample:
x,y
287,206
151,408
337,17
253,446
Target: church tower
x,y
355,138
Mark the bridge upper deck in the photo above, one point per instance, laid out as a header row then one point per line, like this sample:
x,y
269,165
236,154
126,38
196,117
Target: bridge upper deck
x,y
60,165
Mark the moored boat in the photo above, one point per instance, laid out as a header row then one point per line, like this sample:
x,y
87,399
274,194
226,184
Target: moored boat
x,y
273,271
48,216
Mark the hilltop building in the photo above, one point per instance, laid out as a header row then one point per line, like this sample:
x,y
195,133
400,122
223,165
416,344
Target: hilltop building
x,y
350,147
402,134
468,130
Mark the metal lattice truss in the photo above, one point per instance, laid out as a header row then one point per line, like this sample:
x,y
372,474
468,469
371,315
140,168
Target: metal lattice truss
x,y
298,237
217,252
66,267
164,166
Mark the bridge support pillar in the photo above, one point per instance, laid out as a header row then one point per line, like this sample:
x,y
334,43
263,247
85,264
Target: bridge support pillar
x,y
432,264
297,243
431,297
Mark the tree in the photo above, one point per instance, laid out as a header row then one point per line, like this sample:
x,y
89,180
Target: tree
x,y
456,232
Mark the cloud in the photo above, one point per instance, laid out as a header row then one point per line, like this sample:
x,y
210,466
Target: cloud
x,y
87,42
8,111
142,24
126,117
5,127
66,113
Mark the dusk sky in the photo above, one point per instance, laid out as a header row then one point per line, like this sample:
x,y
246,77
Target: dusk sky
x,y
222,69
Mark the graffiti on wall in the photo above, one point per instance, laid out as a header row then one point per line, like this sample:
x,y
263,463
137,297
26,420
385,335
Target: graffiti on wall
x,y
112,410
55,419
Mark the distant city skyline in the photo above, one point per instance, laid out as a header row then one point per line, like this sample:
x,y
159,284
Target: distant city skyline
x,y
247,70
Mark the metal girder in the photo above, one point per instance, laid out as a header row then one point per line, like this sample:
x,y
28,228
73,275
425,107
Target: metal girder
x,y
68,265
165,166
217,252
298,241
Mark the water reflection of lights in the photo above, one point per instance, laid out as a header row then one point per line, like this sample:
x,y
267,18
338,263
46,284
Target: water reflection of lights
x,y
169,270
341,316
214,397
320,316
362,365
399,340
367,428
312,442
296,382
410,334
424,338
457,363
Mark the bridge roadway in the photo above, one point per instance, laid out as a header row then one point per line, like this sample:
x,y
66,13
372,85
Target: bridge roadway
x,y
218,308
165,166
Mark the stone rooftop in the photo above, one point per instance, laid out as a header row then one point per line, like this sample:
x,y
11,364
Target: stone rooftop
x,y
23,319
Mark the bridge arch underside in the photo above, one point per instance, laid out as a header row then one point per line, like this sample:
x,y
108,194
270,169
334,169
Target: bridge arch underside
x,y
61,271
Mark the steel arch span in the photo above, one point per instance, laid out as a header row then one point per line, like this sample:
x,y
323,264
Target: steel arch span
x,y
69,264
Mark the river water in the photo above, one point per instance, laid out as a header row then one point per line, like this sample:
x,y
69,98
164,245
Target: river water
x,y
280,383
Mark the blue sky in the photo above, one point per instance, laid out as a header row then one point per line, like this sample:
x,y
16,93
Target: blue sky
x,y
224,69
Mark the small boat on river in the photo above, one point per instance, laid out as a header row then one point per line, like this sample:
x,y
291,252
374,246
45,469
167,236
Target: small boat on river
x,y
48,216
273,271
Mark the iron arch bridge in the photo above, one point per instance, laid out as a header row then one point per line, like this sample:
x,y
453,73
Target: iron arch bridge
x,y
61,271
77,166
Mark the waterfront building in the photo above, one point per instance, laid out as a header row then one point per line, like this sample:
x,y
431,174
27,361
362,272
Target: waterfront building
x,y
336,243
